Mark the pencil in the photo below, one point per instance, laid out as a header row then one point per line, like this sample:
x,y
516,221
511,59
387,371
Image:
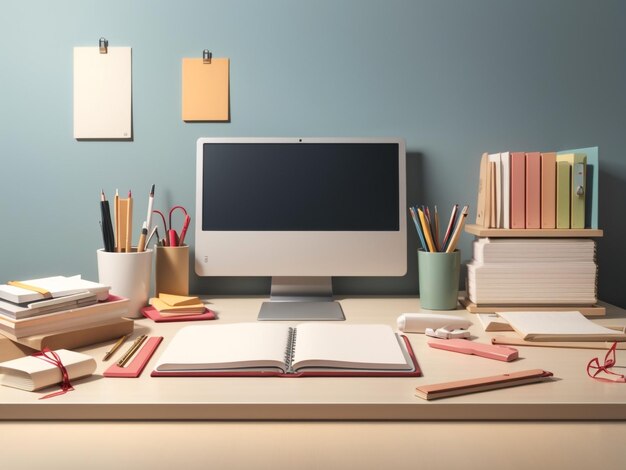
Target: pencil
x,y
132,350
457,231
426,229
142,238
436,231
115,347
418,228
446,237
107,229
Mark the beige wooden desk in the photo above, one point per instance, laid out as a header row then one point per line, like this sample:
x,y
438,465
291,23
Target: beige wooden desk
x,y
370,422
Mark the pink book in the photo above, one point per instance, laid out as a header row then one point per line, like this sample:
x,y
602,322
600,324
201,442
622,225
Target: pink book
x,y
518,190
533,190
548,190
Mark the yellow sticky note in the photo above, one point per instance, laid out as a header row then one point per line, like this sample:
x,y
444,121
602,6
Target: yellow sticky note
x,y
206,90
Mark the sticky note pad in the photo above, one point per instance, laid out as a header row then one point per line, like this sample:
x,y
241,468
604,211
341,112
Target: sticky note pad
x,y
206,90
102,93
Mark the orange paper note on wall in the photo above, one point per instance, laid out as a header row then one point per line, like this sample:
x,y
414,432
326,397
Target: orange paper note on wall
x,y
206,90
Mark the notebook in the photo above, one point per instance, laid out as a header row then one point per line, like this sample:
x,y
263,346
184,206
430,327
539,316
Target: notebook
x,y
559,326
309,349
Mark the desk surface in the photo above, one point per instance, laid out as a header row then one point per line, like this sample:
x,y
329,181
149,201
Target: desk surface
x,y
572,395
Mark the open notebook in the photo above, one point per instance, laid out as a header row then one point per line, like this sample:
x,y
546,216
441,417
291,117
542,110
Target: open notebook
x,y
309,349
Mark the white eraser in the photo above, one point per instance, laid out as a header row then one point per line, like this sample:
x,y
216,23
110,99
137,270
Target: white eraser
x,y
418,322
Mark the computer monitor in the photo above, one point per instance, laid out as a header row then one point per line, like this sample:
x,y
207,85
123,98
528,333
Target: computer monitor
x,y
301,210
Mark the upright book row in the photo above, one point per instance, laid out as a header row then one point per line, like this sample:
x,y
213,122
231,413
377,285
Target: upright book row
x,y
535,190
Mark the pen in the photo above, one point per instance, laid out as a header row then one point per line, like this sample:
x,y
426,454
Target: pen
x,y
132,350
117,220
183,232
115,347
149,216
129,223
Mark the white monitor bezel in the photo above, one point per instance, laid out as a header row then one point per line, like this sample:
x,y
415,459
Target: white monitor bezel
x,y
294,253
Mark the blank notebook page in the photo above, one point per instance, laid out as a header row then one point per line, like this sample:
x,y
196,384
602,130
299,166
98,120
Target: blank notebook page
x,y
365,346
224,346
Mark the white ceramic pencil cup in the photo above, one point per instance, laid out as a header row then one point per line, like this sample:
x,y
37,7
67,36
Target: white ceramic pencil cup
x,y
128,275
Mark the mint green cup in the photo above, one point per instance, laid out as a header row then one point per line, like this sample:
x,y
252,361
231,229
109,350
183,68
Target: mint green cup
x,y
438,279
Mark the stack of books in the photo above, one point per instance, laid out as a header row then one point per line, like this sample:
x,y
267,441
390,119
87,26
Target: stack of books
x,y
536,190
61,311
533,271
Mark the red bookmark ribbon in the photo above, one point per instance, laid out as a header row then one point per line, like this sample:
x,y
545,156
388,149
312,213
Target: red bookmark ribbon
x,y
53,358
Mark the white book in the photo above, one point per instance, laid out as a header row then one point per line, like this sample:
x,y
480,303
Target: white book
x,y
559,326
248,347
57,286
528,250
495,158
505,171
42,307
32,373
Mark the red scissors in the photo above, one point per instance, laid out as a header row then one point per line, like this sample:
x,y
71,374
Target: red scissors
x,y
172,238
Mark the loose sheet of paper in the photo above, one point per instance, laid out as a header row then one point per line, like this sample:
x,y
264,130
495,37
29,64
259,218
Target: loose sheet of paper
x,y
102,93
206,90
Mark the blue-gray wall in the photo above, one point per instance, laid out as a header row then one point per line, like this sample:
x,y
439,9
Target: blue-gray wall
x,y
454,78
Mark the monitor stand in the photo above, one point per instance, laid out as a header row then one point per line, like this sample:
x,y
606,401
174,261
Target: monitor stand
x,y
301,298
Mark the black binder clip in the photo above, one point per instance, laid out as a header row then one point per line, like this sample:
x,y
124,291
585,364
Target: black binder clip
x,y
104,45
206,56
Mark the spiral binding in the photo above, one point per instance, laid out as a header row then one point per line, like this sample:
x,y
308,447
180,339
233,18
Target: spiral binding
x,y
290,350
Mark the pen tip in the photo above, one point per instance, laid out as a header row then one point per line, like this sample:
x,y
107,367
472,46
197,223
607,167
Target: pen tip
x,y
130,193
152,191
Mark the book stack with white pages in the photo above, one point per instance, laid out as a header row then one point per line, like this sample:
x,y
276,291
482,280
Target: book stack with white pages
x,y
533,271
61,311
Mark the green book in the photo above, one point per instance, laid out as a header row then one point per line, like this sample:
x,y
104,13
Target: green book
x,y
562,194
577,166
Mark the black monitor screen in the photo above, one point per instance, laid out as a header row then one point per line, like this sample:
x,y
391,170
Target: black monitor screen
x,y
300,187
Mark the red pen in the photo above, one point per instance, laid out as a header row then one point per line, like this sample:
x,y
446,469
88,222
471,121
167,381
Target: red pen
x,y
183,232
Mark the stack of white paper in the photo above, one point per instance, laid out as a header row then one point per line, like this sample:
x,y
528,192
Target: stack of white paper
x,y
533,272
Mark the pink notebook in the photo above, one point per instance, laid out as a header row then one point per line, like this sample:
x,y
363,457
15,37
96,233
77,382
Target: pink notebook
x,y
518,190
153,314
533,190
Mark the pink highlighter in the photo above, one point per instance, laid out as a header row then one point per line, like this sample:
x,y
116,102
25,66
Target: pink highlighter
x,y
490,351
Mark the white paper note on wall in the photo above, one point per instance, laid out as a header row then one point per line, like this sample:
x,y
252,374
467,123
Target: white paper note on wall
x,y
102,93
